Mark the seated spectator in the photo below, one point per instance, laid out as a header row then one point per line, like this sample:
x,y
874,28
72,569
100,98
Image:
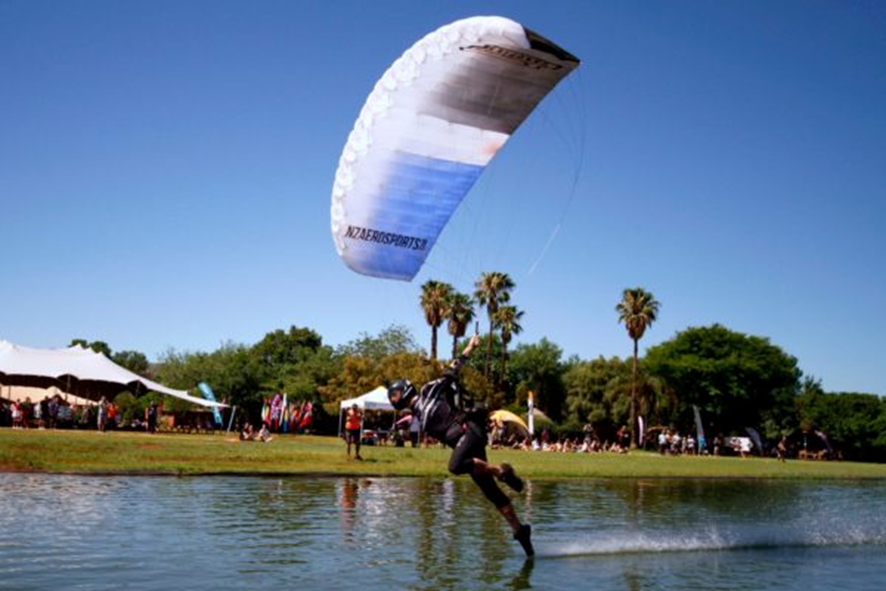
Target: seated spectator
x,y
247,434
264,433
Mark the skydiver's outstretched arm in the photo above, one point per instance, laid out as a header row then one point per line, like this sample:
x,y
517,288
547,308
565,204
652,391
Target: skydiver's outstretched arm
x,y
459,361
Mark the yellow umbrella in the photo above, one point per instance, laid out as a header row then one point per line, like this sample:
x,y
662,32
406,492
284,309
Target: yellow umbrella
x,y
505,416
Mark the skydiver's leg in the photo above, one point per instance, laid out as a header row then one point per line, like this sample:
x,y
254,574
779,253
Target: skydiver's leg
x,y
469,457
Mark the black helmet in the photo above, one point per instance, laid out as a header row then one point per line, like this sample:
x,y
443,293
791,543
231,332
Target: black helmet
x,y
401,393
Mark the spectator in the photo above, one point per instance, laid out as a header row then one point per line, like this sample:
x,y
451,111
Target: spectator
x,y
39,414
27,412
663,442
64,417
52,412
247,434
17,416
782,449
112,415
151,417
353,430
102,420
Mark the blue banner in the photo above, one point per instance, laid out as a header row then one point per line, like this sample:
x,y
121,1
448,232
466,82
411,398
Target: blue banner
x,y
699,428
210,396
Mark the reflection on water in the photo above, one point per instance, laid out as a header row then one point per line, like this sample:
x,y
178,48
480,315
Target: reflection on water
x,y
348,533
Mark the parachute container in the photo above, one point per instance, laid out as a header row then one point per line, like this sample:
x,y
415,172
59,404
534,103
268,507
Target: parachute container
x,y
430,126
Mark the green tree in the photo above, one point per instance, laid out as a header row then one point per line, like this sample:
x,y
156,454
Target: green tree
x,y
97,346
369,362
134,361
280,348
538,367
492,290
434,299
737,380
587,385
233,371
853,423
394,339
459,315
638,309
360,374
810,397
295,362
302,380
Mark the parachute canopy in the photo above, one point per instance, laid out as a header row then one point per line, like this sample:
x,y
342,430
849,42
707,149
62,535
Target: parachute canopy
x,y
428,129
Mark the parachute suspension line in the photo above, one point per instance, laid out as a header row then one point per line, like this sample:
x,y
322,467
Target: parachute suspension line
x,y
578,164
465,251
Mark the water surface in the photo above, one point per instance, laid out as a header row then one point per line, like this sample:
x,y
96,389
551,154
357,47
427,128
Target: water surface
x,y
91,533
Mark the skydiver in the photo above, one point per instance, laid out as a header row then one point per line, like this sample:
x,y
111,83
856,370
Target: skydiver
x,y
447,415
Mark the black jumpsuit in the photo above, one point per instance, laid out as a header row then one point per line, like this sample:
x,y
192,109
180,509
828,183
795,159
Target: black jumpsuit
x,y
443,416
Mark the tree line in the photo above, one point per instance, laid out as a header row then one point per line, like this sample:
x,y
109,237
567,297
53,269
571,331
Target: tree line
x,y
735,380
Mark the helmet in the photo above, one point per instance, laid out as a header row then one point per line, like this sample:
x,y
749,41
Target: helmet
x,y
401,393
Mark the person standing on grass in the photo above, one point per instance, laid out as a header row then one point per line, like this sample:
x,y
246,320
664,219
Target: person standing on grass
x,y
151,417
102,414
353,429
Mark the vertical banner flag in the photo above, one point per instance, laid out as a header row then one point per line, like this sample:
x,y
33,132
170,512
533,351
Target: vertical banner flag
x,y
699,428
531,404
210,395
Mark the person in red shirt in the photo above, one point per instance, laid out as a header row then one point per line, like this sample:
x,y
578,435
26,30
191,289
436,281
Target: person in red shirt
x,y
353,428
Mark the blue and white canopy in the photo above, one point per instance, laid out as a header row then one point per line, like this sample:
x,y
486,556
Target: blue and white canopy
x,y
428,129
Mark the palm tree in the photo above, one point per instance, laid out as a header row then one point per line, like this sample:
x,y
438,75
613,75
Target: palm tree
x,y
492,290
508,320
459,314
433,301
637,309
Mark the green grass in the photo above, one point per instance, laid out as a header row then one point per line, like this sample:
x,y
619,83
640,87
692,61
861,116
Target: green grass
x,y
89,452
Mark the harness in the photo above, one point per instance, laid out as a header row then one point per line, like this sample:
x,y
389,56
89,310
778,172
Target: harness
x,y
432,395
445,389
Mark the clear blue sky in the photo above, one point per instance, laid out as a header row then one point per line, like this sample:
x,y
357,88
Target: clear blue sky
x,y
166,167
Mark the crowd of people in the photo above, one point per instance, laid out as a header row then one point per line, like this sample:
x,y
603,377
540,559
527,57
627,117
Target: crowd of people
x,y
263,435
670,442
545,441
54,412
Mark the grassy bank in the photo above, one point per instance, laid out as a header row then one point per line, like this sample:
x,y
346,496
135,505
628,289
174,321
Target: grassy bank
x,y
89,452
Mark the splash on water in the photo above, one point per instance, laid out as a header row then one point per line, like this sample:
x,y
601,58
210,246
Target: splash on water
x,y
872,532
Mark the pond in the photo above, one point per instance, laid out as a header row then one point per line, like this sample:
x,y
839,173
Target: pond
x,y
91,533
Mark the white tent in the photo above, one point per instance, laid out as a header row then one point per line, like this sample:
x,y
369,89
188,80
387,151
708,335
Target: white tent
x,y
373,400
76,370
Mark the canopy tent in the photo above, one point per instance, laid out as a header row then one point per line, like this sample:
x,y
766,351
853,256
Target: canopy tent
x,y
501,417
78,371
507,422
373,400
